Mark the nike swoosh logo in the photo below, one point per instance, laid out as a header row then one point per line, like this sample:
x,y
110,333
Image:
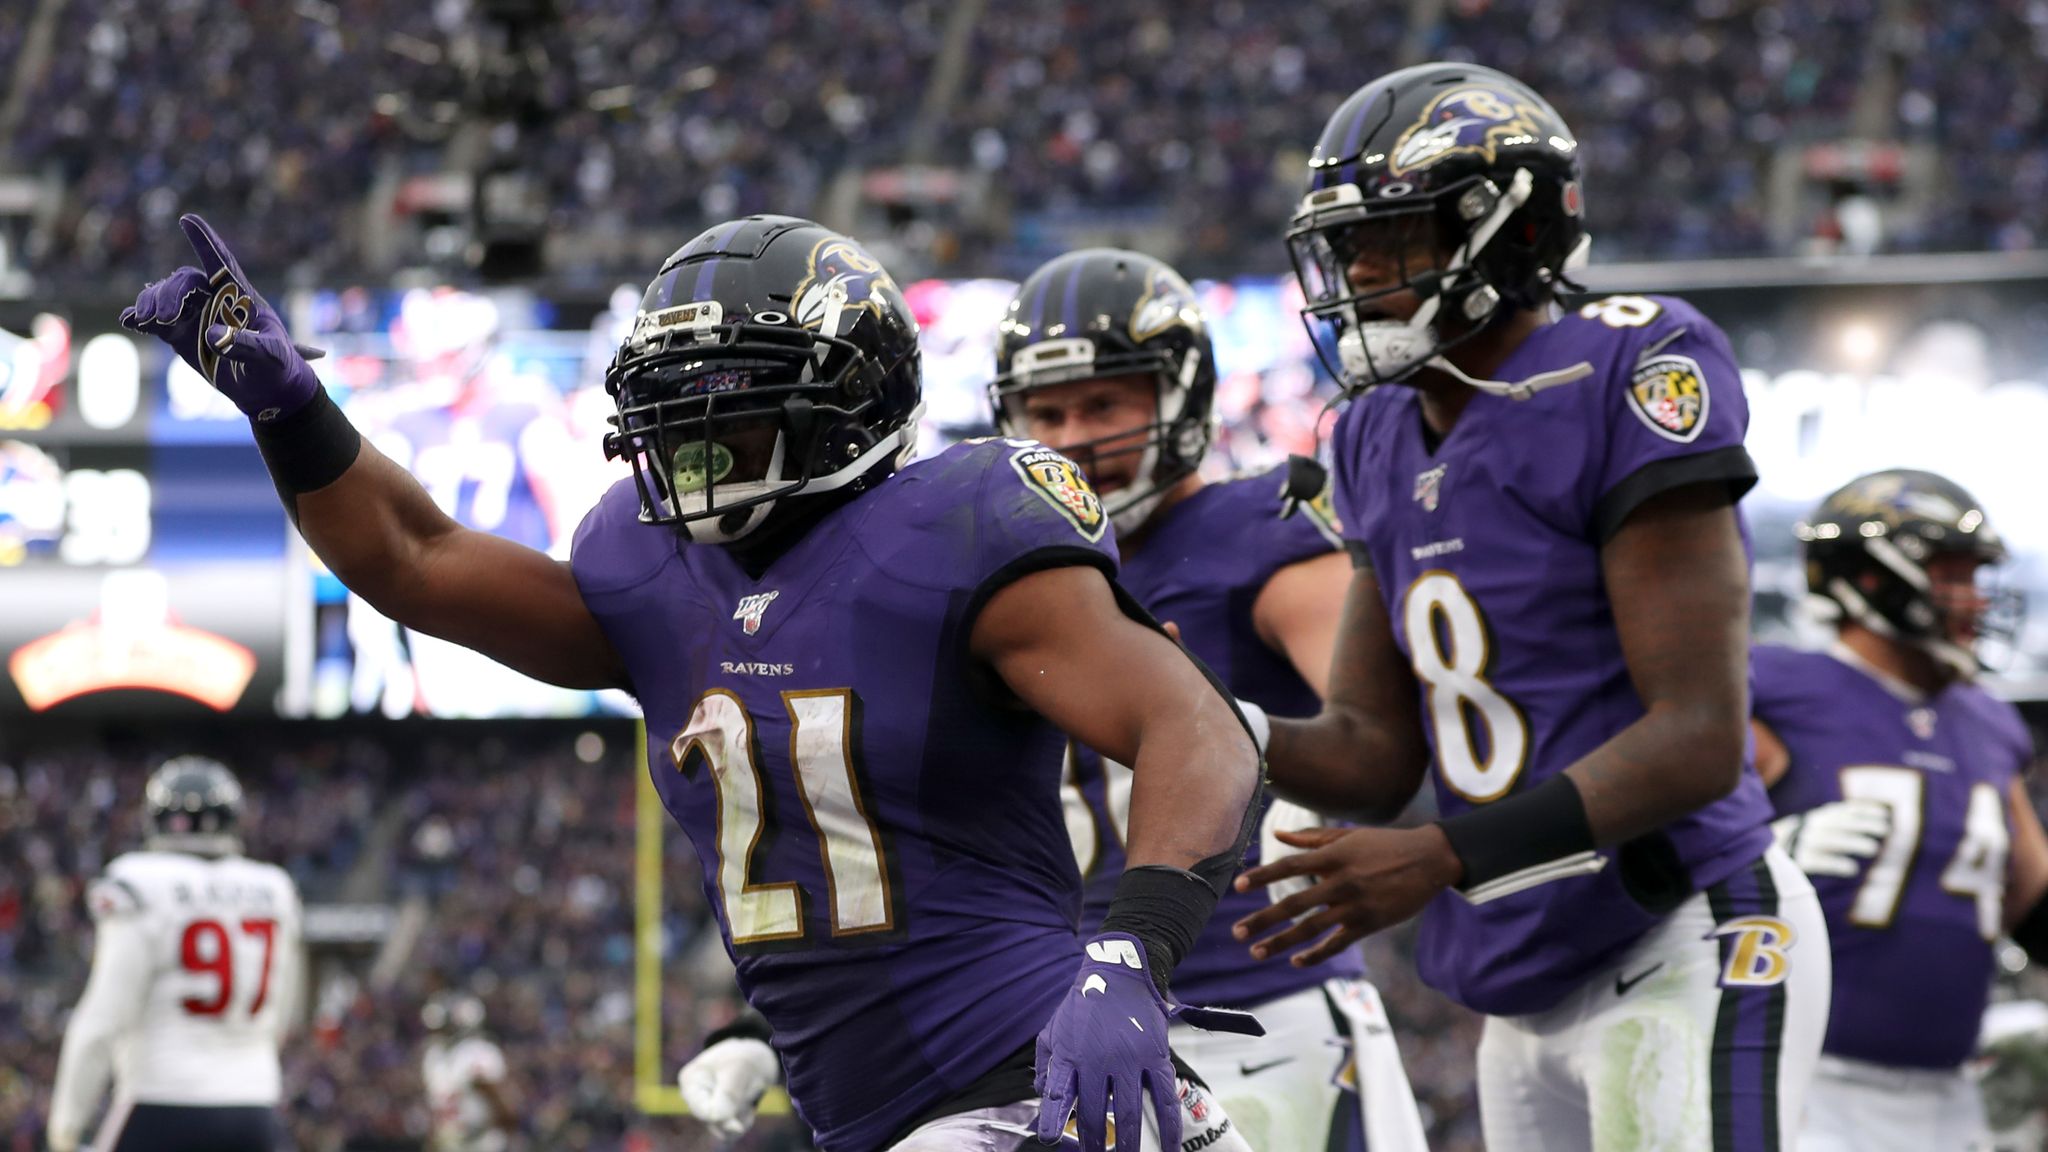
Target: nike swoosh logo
x,y
1255,1069
1094,983
1621,986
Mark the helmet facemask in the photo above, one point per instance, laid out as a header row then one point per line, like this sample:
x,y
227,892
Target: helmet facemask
x,y
1360,344
1892,593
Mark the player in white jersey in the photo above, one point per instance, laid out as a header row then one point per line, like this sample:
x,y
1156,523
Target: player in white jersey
x,y
194,978
464,1073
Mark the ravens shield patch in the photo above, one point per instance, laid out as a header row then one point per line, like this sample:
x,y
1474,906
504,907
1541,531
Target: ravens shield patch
x,y
1061,485
1669,394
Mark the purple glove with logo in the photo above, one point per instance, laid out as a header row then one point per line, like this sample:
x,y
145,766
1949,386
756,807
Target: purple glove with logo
x,y
212,318
1105,1048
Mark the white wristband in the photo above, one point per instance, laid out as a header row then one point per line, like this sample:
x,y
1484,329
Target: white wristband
x,y
1255,719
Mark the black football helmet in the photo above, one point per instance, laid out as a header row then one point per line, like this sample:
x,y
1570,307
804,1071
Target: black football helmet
x,y
1867,550
1448,158
772,360
194,805
1107,312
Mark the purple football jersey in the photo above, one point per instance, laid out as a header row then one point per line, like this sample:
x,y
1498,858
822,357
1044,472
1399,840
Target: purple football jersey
x,y
1201,566
1915,925
881,827
1487,552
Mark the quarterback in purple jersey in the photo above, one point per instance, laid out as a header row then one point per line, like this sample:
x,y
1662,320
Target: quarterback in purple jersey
x,y
1901,781
857,674
1105,354
1550,610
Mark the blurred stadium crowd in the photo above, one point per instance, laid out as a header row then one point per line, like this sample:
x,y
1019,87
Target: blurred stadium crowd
x,y
1710,127
521,857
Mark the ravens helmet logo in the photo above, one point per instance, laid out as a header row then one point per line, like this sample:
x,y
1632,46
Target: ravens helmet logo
x,y
839,269
1463,120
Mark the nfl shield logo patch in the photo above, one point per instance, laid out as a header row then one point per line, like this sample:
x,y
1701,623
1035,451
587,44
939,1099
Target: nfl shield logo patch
x,y
750,610
1668,393
1429,487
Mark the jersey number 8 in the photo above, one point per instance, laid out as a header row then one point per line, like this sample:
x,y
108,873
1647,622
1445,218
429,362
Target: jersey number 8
x,y
1447,640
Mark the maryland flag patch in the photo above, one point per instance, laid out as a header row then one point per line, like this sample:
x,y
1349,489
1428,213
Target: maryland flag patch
x,y
1061,485
1669,394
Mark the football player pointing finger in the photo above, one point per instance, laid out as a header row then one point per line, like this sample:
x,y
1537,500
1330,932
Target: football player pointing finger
x,y
855,672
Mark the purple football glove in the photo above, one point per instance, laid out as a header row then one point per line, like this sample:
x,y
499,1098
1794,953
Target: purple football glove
x,y
1104,1050
212,318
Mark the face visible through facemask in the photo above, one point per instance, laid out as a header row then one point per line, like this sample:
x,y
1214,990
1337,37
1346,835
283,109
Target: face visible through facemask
x,y
1381,258
1958,596
722,463
1103,424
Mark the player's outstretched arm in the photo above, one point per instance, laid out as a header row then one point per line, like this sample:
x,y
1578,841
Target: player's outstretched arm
x,y
386,539
1059,640
365,517
1364,755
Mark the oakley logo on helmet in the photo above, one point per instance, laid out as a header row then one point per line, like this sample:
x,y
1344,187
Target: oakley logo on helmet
x,y
841,278
1464,120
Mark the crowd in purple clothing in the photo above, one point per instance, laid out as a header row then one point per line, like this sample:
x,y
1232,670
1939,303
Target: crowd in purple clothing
x,y
299,121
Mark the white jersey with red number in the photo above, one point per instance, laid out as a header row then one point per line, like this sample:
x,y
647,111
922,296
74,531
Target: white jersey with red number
x,y
219,944
451,1072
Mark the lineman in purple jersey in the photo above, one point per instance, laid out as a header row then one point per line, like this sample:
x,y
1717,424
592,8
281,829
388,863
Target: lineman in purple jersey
x,y
1901,781
1551,610
853,673
1105,353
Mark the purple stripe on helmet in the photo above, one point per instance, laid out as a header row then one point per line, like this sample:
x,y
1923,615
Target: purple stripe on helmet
x,y
1352,136
705,270
1038,307
1070,308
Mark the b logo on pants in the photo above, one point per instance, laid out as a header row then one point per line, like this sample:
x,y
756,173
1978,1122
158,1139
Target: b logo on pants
x,y
1757,958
